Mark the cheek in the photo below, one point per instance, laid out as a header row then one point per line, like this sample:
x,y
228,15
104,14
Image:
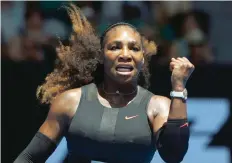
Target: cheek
x,y
139,62
140,65
109,59
108,56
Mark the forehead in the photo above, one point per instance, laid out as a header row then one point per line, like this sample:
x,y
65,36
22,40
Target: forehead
x,y
123,33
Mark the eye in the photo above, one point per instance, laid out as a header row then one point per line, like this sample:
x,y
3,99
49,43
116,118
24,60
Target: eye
x,y
136,49
114,48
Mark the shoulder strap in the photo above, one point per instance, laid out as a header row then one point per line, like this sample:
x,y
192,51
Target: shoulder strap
x,y
91,92
143,97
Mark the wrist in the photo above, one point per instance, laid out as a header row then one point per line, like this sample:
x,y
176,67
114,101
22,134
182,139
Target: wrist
x,y
178,85
179,93
178,88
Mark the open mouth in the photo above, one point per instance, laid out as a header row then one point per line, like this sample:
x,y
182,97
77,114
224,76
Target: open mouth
x,y
124,68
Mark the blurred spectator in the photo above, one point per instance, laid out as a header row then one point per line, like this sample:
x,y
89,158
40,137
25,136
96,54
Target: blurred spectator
x,y
142,7
31,50
175,7
12,18
192,34
149,32
185,27
132,15
34,28
130,12
161,23
32,35
200,51
48,6
201,54
29,42
43,30
91,13
24,48
166,51
181,32
55,30
111,11
176,29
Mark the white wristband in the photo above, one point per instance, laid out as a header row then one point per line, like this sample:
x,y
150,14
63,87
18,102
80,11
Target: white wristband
x,y
183,94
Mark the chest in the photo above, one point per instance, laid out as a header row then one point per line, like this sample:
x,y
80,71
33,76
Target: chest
x,y
100,131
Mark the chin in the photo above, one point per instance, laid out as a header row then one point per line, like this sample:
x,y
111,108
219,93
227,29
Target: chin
x,y
124,78
124,81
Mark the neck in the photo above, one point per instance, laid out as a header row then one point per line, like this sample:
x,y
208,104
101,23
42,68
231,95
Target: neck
x,y
111,86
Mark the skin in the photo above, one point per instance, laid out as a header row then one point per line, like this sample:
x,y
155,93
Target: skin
x,y
122,46
159,108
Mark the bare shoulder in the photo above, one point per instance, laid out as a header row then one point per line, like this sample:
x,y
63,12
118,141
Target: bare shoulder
x,y
60,114
159,105
66,103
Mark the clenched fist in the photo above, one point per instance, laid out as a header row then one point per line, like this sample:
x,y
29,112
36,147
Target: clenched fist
x,y
181,69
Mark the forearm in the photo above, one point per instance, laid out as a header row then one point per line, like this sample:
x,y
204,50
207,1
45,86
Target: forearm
x,y
174,136
37,151
178,107
172,140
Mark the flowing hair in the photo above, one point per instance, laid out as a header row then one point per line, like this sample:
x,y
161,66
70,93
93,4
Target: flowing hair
x,y
80,62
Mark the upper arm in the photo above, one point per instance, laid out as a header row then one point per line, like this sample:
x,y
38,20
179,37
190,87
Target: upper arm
x,y
158,111
60,114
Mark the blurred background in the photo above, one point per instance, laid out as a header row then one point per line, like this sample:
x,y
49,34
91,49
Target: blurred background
x,y
200,31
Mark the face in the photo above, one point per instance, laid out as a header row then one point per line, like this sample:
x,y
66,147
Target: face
x,y
35,21
190,24
123,54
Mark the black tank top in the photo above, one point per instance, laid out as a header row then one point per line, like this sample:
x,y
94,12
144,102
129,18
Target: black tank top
x,y
113,135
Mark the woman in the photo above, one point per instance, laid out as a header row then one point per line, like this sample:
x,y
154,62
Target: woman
x,y
99,105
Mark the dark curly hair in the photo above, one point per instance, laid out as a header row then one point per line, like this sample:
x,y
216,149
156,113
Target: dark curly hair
x,y
81,63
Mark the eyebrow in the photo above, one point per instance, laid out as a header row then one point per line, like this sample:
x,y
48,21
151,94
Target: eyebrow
x,y
119,42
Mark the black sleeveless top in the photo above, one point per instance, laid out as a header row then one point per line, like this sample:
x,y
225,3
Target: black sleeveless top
x,y
113,135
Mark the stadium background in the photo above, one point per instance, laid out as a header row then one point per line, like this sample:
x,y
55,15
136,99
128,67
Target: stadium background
x,y
198,30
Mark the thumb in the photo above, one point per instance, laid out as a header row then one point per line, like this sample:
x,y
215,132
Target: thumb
x,y
171,66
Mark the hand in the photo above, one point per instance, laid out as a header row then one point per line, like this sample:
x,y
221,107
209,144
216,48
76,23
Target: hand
x,y
181,69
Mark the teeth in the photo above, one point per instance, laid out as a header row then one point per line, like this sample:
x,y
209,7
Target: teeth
x,y
123,69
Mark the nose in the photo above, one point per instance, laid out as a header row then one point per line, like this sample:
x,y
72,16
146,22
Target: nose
x,y
125,56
